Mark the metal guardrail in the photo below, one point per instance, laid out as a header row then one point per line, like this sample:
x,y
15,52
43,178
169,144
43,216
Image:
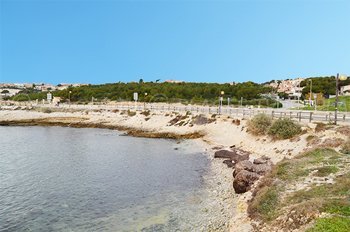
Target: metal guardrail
x,y
321,116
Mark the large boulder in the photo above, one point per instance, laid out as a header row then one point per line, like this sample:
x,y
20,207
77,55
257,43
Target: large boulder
x,y
244,165
232,155
223,154
244,180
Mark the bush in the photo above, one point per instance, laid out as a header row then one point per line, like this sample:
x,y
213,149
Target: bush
x,y
131,113
284,129
346,147
146,113
259,124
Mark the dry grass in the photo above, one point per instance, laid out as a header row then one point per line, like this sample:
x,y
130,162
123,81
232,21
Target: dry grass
x,y
267,204
259,124
346,147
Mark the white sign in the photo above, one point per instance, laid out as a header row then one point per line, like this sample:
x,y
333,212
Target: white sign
x,y
49,96
136,96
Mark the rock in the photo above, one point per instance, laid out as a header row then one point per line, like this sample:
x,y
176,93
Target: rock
x,y
232,155
229,163
261,160
262,169
223,154
244,180
244,165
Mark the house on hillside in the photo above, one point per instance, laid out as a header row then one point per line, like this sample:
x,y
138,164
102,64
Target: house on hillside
x,y
345,90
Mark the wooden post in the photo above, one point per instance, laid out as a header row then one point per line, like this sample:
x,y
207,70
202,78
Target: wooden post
x,y
310,119
273,114
299,116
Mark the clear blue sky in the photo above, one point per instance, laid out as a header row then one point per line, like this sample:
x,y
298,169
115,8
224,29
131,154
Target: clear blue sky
x,y
203,41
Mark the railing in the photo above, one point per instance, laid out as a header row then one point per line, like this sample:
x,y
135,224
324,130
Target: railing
x,y
321,116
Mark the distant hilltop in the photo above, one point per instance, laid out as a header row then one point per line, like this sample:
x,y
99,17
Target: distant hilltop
x,y
39,86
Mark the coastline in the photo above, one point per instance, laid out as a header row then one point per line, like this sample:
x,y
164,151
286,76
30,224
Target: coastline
x,y
218,132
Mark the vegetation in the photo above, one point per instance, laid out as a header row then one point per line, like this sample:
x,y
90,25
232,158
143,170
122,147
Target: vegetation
x,y
333,224
284,128
196,93
271,199
329,104
324,85
131,113
259,124
346,147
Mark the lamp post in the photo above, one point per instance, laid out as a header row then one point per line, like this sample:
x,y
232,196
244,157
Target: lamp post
x,y
221,98
69,97
144,102
310,92
342,78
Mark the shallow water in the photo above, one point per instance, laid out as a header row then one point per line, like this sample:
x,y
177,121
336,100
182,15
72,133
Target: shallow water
x,y
66,179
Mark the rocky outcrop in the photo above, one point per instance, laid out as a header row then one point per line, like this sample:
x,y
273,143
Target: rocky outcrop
x,y
234,155
244,180
245,173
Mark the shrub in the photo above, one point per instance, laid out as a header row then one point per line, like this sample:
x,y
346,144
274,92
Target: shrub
x,y
131,113
346,147
284,129
259,124
146,113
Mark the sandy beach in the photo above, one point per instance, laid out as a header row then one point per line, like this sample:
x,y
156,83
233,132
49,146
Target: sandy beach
x,y
213,132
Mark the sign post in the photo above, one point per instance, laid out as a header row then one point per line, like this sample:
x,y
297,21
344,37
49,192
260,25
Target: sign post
x,y
49,97
136,97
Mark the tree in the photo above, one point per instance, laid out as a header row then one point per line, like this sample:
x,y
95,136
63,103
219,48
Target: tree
x,y
5,91
141,81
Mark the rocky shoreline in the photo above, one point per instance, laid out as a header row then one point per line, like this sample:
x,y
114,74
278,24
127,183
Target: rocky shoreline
x,y
239,159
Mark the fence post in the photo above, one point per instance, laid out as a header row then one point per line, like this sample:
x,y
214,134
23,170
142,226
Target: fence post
x,y
299,116
273,114
290,115
344,117
310,119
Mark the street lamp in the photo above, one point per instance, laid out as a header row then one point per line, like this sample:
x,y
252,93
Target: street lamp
x,y
69,97
144,102
221,98
310,92
342,78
